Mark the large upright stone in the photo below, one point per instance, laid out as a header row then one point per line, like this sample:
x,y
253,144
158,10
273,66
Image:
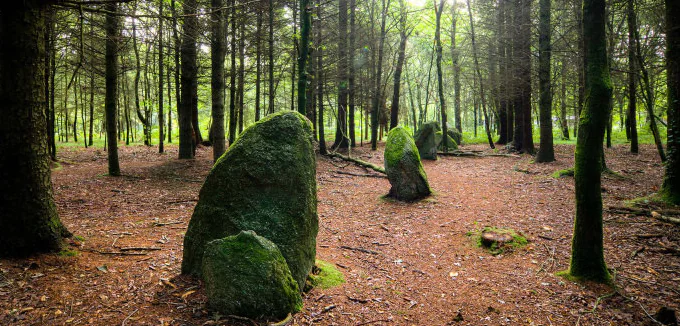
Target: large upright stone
x,y
246,275
426,140
265,182
403,167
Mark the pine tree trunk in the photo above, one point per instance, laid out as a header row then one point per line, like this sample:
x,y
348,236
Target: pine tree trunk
x,y
29,222
394,109
375,105
305,27
587,253
352,71
161,114
440,81
233,118
546,152
258,67
670,189
111,100
632,79
189,87
479,77
319,83
456,72
341,139
217,54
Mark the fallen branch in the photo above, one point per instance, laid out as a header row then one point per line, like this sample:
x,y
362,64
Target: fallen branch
x,y
360,250
361,175
474,154
138,248
357,162
664,218
116,253
167,223
285,322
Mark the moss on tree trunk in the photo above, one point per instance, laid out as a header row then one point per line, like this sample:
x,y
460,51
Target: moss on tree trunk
x,y
587,254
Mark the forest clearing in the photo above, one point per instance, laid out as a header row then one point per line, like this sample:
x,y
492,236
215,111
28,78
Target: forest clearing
x,y
404,263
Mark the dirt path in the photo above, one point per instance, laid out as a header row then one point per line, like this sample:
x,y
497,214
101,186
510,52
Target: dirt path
x,y
419,266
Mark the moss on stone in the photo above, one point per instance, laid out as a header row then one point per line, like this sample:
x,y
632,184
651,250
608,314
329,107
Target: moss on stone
x,y
426,142
563,173
326,276
246,275
403,167
518,240
265,182
451,144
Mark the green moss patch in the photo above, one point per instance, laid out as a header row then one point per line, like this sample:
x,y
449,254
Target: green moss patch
x,y
69,253
563,173
498,240
325,276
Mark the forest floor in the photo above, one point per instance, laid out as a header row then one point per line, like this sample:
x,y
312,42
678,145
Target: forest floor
x,y
404,263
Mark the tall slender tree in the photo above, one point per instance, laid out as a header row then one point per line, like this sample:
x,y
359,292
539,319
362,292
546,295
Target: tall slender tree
x,y
218,50
587,250
546,152
111,101
479,78
670,190
29,222
341,138
161,66
632,78
189,79
305,27
440,80
401,57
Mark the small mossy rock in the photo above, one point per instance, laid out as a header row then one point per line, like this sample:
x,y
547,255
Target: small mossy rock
x,y
265,182
451,145
455,134
426,140
246,275
403,167
493,238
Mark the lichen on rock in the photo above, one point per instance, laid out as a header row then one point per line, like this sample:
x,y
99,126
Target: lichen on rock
x,y
404,168
265,182
246,275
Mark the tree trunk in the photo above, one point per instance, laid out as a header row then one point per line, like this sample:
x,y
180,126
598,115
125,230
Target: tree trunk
x,y
546,152
319,82
440,81
146,123
394,109
375,105
29,222
341,139
217,53
241,72
523,140
271,57
161,114
111,101
456,72
189,96
258,67
670,190
563,102
587,252
177,44
305,27
632,79
479,77
352,71
233,119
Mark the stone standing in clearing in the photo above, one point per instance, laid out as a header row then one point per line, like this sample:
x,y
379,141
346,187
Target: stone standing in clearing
x,y
426,140
265,182
246,275
403,167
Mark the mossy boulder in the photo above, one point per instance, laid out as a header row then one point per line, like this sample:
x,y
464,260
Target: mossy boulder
x,y
403,167
246,275
426,140
265,182
455,134
452,144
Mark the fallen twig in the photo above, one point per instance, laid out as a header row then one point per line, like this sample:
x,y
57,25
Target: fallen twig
x,y
360,250
128,317
286,321
116,253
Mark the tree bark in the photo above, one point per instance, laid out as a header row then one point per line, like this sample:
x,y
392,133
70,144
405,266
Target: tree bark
x,y
632,79
161,63
217,53
670,190
546,152
479,77
375,103
440,81
456,72
29,222
305,27
319,82
189,89
111,101
341,137
587,253
233,118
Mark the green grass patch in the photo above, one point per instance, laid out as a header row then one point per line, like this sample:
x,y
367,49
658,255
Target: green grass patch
x,y
325,275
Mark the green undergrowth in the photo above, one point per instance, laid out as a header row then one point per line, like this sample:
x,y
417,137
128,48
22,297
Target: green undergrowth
x,y
325,276
69,253
518,240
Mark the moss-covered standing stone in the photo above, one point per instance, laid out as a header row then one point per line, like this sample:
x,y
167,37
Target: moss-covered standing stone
x,y
265,182
403,167
246,275
426,140
452,144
